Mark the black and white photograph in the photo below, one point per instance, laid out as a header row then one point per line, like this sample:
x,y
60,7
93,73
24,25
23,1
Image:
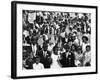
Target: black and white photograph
x,y
54,39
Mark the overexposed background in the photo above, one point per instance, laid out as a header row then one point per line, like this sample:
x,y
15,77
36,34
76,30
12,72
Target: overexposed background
x,y
5,40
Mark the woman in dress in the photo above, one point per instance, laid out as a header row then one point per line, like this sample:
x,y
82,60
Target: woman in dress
x,y
55,59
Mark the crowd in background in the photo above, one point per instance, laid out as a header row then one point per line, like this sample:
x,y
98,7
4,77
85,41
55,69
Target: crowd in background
x,y
56,39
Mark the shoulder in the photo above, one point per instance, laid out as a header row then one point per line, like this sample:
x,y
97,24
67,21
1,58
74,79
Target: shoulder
x,y
40,64
34,64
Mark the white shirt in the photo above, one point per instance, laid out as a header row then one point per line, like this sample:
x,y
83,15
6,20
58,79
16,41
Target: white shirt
x,y
78,57
34,48
84,46
76,41
62,34
38,66
87,57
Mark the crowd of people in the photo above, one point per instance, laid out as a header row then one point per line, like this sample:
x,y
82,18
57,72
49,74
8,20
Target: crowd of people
x,y
56,39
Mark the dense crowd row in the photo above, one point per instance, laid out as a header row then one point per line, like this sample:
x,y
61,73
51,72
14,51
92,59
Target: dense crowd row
x,y
53,39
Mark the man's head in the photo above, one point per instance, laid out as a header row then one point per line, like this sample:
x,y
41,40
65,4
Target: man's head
x,y
84,39
73,47
37,60
79,49
88,48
